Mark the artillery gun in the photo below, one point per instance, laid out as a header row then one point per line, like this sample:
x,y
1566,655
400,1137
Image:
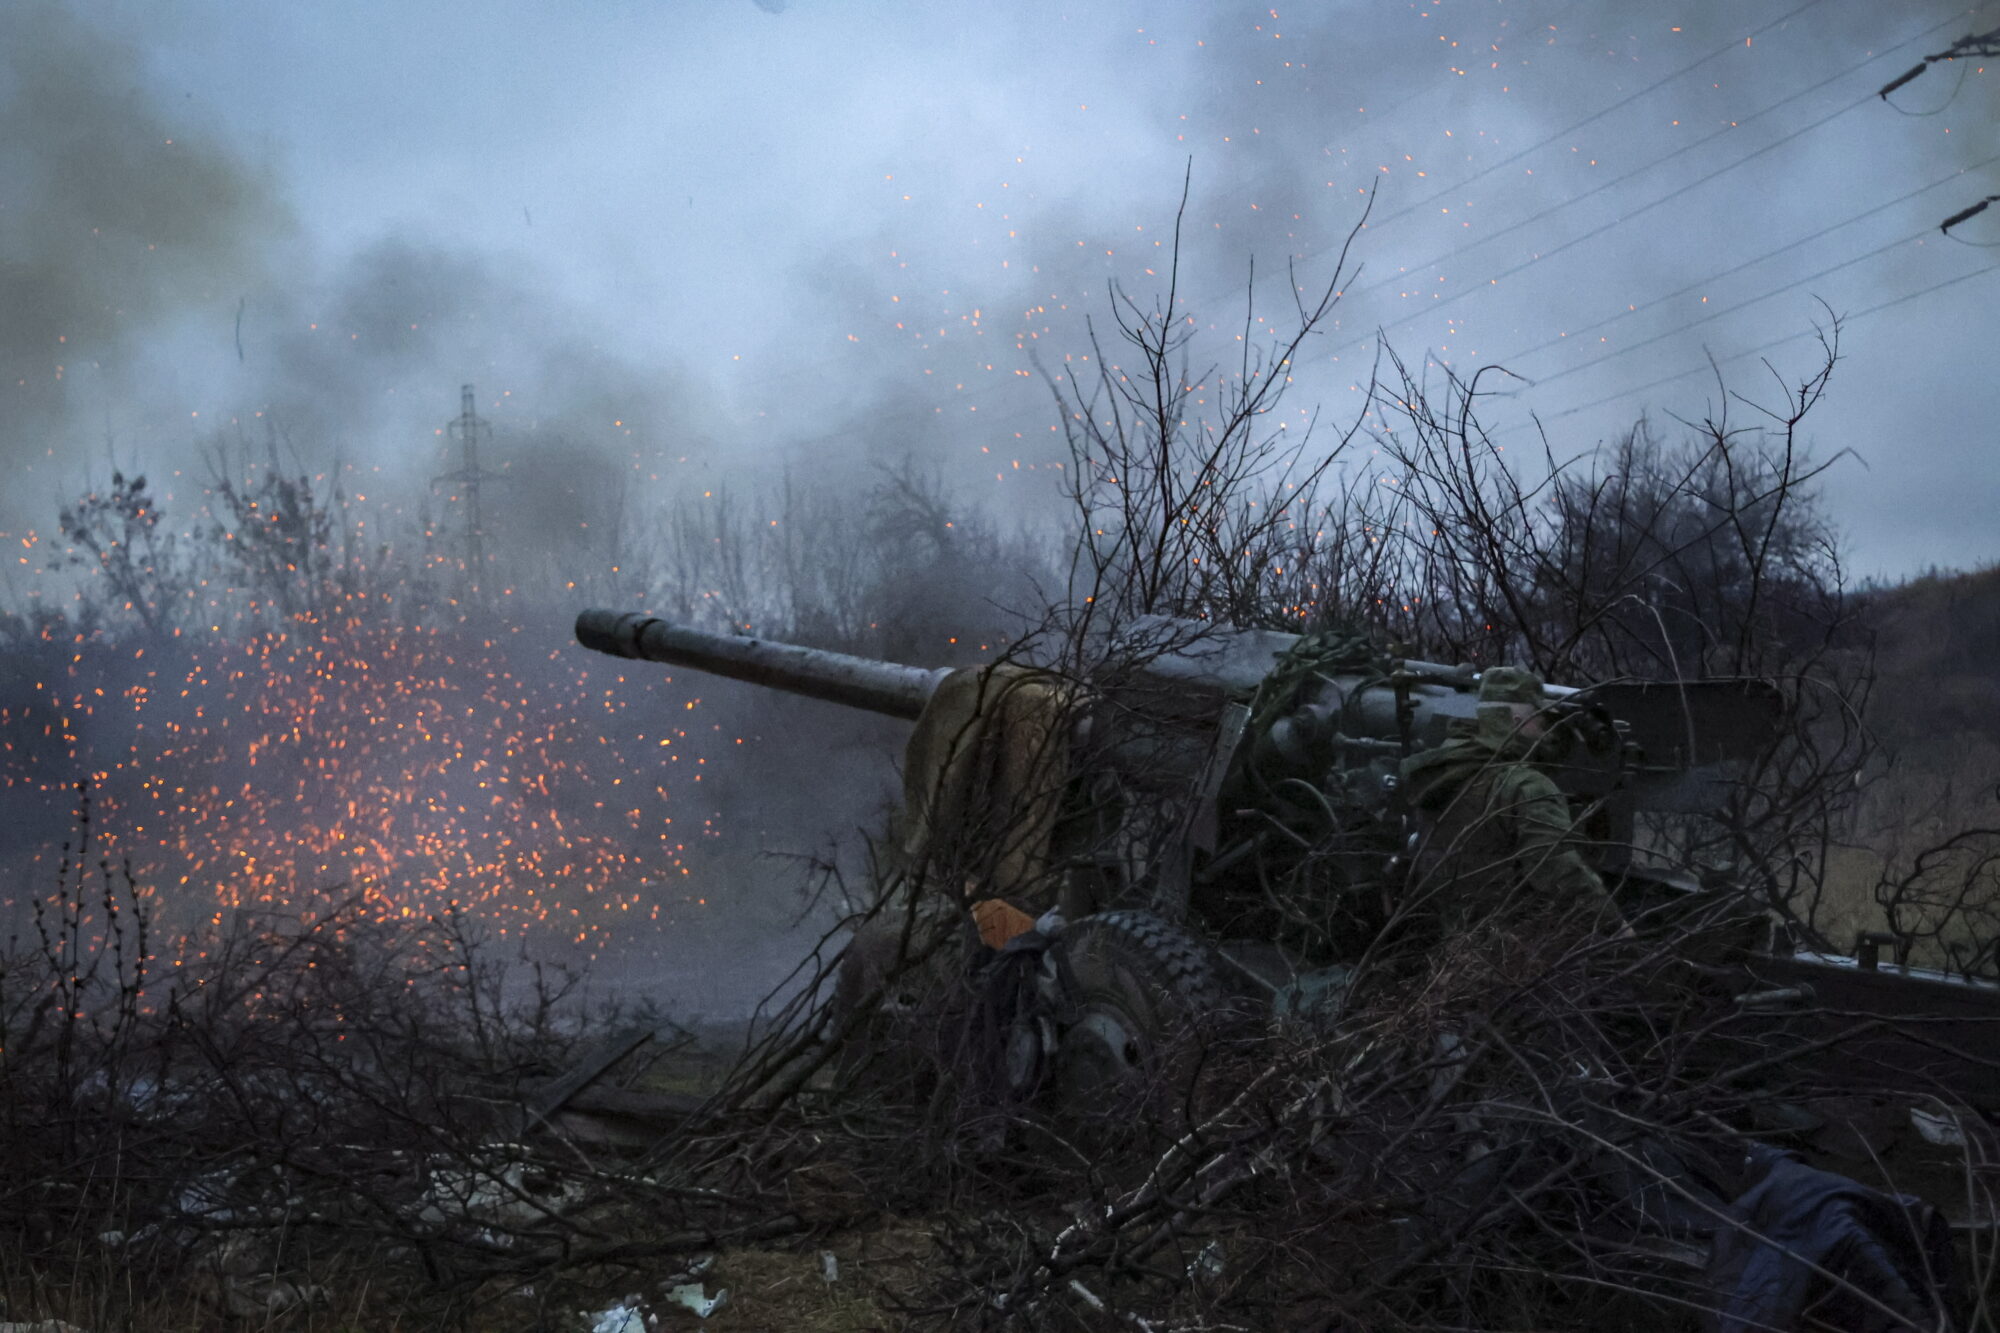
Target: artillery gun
x,y
1213,815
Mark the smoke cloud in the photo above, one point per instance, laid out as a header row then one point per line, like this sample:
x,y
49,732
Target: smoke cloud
x,y
115,219
679,251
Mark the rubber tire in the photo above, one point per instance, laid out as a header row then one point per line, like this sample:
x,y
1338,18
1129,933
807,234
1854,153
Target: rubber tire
x,y
1138,993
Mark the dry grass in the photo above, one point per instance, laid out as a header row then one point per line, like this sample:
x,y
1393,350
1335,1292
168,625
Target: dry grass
x,y
769,1289
1935,714
786,1289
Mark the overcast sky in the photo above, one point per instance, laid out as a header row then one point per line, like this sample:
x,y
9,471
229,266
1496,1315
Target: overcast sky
x,y
821,233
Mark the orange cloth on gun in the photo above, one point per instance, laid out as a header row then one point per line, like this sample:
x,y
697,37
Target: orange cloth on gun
x,y
999,921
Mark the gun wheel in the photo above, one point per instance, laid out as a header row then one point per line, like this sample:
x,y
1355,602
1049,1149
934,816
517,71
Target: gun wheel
x,y
1137,993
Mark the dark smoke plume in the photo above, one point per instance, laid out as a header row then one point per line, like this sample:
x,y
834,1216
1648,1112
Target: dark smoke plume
x,y
115,219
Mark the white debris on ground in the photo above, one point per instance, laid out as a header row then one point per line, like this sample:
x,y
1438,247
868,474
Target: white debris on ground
x,y
1207,1265
503,1190
692,1296
628,1316
682,1287
829,1267
1939,1128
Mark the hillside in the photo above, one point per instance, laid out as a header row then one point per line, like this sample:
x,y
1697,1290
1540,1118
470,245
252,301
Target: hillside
x,y
1937,643
1934,722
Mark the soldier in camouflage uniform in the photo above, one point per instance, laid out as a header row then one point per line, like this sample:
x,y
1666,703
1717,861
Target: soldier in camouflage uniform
x,y
1498,846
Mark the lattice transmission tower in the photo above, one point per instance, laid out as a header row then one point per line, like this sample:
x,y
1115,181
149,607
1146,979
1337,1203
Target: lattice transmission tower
x,y
467,429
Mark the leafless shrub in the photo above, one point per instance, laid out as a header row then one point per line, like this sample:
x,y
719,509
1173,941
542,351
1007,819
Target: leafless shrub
x,y
891,567
1943,902
119,538
1653,561
273,1103
1187,507
1649,561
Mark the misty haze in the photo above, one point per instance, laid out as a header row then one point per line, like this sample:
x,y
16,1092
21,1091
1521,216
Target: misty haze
x,y
348,353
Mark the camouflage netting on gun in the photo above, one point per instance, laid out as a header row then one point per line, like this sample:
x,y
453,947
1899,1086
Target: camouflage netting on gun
x,y
1328,652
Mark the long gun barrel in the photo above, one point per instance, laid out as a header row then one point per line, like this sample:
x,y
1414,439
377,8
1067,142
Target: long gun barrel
x,y
858,682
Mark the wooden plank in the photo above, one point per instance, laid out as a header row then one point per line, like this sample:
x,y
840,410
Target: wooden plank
x,y
584,1073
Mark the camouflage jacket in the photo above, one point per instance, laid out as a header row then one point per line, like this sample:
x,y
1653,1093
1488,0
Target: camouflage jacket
x,y
1497,835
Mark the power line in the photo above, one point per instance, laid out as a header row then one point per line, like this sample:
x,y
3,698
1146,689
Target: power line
x,y
1571,336
1595,116
1775,342
1423,94
1656,162
1427,92
1964,214
1972,45
1941,107
1619,221
1740,305
1024,419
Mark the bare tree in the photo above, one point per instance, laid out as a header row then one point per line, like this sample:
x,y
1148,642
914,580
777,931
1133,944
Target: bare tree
x,y
897,568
